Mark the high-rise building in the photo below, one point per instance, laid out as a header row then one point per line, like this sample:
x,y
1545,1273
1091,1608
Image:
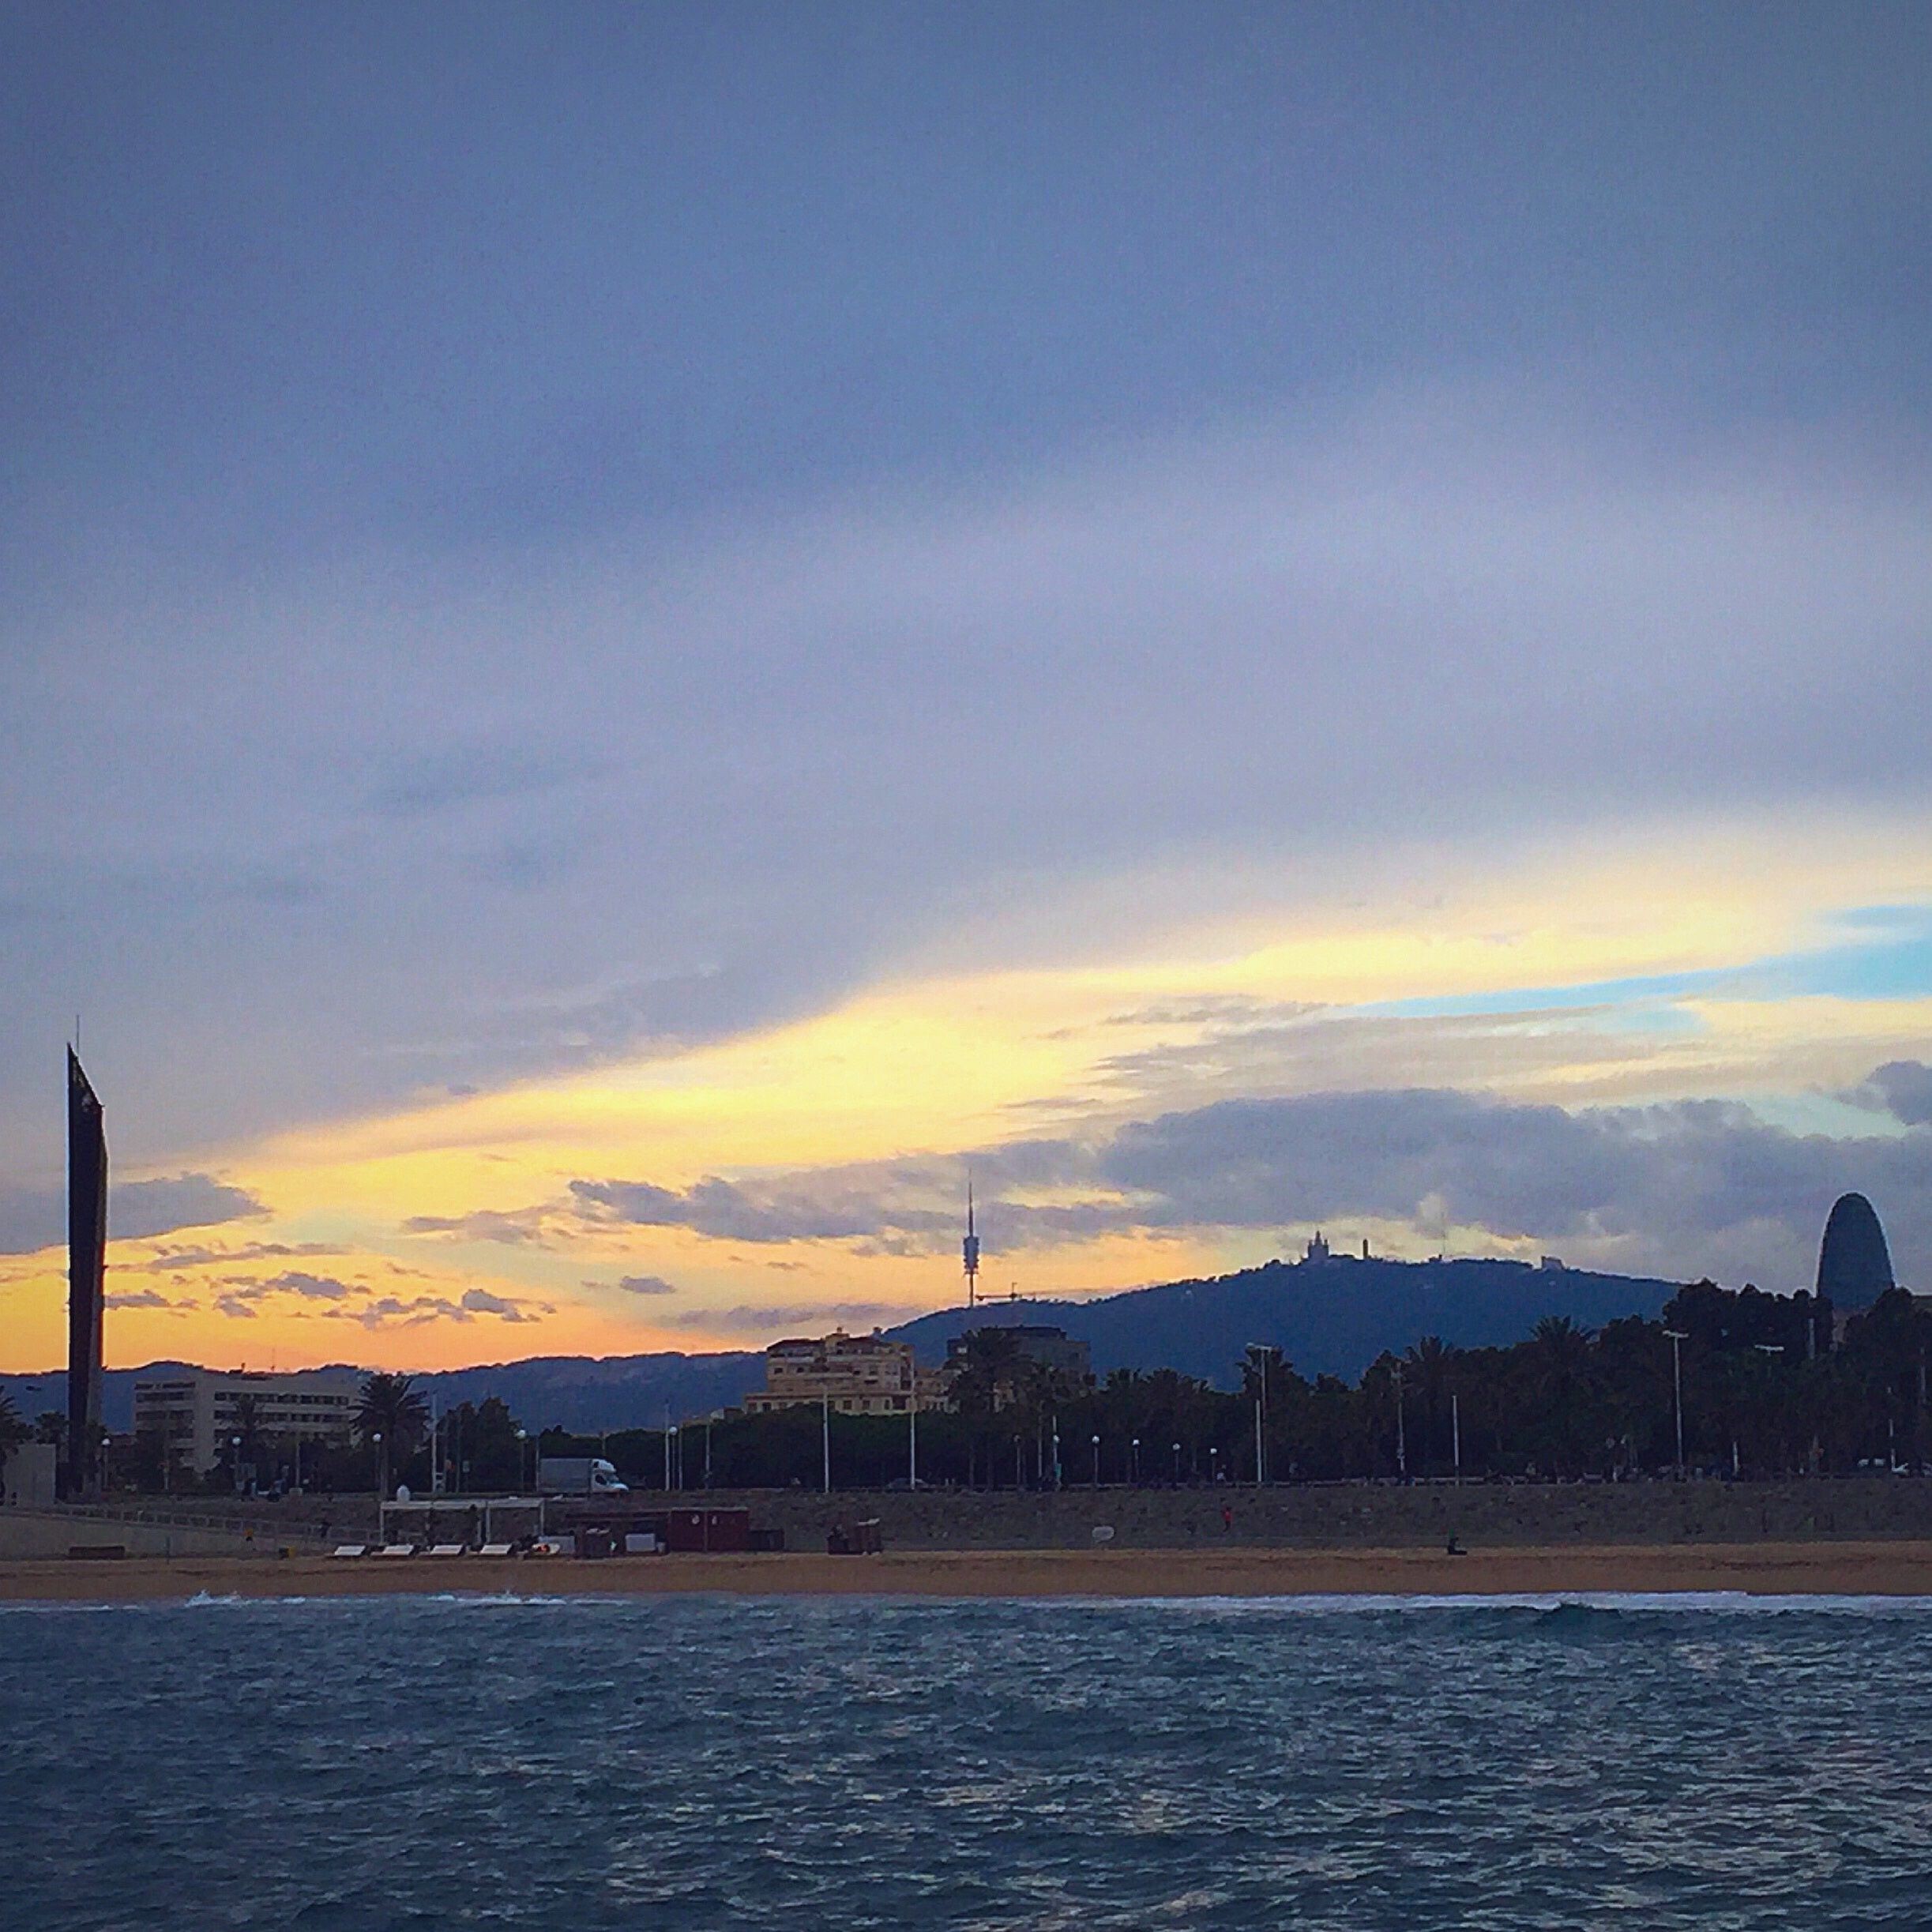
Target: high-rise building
x,y
86,1262
1854,1266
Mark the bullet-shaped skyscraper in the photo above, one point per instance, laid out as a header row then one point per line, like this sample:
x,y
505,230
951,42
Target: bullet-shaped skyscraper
x,y
87,1264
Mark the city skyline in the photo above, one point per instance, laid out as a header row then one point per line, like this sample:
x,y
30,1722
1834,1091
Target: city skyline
x,y
634,648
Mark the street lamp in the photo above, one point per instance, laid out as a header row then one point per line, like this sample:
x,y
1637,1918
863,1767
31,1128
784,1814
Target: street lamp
x,y
523,1436
1096,1462
382,1467
234,1461
1133,1460
1678,1339
1177,1465
1767,1350
1259,1351
107,1443
1214,1464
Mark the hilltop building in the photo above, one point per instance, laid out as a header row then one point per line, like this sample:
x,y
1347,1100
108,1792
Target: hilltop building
x,y
1854,1265
194,1412
858,1374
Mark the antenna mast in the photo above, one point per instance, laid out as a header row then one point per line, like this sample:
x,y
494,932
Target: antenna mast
x,y
969,1249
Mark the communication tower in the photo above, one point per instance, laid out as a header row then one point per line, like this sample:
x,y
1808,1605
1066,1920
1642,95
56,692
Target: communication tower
x,y
969,1249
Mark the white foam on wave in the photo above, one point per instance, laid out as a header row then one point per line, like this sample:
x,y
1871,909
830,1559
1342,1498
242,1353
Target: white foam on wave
x,y
1713,1602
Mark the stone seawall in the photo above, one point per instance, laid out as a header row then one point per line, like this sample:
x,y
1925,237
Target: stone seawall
x,y
1366,1515
1324,1516
26,1533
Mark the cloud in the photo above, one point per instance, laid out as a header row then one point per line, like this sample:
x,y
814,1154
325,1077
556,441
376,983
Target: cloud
x,y
524,1227
1676,1189
138,1298
1273,648
1906,1087
447,778
640,1284
298,1294
32,1219
311,1287
168,1260
750,1318
481,1301
392,1311
724,1210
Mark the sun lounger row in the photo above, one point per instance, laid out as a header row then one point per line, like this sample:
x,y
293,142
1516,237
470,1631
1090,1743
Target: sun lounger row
x,y
392,1549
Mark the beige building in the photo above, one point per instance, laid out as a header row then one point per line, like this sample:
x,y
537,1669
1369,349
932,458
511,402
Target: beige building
x,y
195,1410
858,1374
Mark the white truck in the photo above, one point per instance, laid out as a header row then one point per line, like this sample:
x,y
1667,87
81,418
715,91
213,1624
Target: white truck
x,y
579,1475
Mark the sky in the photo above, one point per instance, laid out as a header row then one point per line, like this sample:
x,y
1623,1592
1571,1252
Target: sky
x,y
632,638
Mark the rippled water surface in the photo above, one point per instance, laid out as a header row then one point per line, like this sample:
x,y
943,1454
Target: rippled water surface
x,y
701,1762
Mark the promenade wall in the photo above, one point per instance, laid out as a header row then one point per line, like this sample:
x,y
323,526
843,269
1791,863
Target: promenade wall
x,y
26,1533
1366,1515
1323,1516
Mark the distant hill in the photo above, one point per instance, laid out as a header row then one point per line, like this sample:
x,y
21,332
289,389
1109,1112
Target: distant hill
x,y
1327,1317
582,1392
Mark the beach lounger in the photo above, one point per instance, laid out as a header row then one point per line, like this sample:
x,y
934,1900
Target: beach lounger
x,y
495,1549
397,1549
350,1549
447,1549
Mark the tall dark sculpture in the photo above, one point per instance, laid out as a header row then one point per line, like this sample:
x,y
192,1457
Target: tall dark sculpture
x,y
87,1266
1854,1266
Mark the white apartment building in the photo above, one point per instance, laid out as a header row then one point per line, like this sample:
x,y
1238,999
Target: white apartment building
x,y
859,1375
194,1410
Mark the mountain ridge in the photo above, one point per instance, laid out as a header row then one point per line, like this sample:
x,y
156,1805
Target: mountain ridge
x,y
1331,1316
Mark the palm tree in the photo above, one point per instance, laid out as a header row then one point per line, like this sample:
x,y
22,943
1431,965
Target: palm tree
x,y
391,1408
990,1363
14,1427
248,1425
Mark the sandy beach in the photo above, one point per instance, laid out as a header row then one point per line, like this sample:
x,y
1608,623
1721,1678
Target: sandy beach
x,y
1891,1569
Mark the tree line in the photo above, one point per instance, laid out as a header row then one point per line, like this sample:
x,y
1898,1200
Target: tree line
x,y
1759,1384
1748,1384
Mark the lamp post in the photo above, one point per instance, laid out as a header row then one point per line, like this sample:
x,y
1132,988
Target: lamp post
x,y
234,1460
1177,1465
825,1440
1455,1433
1214,1465
1133,1460
1056,1452
1096,1462
106,1442
1767,1350
1259,1351
912,1442
383,1466
523,1436
1678,1339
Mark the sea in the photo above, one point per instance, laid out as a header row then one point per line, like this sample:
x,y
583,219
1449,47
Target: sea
x,y
587,1762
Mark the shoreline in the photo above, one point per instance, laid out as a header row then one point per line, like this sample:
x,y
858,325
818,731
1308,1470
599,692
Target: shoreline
x,y
1824,1569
